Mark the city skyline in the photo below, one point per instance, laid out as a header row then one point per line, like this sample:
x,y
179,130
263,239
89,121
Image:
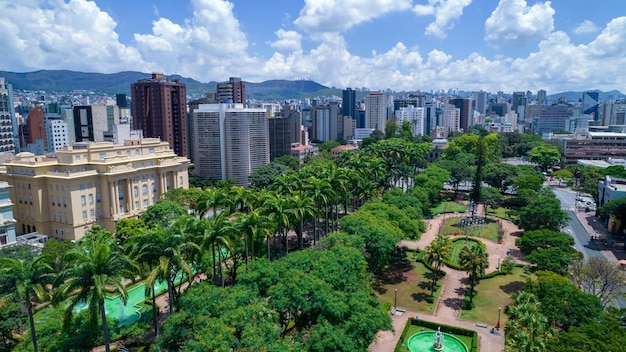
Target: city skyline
x,y
400,44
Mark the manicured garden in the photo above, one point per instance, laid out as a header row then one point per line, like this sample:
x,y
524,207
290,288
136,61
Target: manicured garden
x,y
457,247
492,293
414,326
449,207
412,280
488,230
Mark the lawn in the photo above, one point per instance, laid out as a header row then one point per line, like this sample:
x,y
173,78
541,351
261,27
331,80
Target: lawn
x,y
414,329
502,213
489,230
412,280
457,247
449,207
493,293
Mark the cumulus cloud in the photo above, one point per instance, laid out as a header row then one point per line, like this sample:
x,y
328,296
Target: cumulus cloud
x,y
287,40
612,41
445,12
514,22
341,15
586,26
76,35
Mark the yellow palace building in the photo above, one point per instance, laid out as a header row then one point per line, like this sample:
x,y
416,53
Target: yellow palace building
x,y
90,183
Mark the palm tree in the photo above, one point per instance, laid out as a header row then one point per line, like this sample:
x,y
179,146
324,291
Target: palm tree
x,y
212,200
319,190
527,328
474,260
97,265
216,233
303,210
172,247
436,253
253,225
29,279
280,212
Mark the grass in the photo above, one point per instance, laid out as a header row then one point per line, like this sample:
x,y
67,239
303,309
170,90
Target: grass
x,y
457,247
502,213
412,280
488,231
449,207
414,329
493,293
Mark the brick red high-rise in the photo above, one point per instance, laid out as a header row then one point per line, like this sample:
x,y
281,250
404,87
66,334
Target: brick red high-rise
x,y
159,109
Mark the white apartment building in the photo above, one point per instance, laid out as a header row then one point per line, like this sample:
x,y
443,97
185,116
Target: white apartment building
x,y
414,115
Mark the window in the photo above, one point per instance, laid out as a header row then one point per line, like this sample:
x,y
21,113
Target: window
x,y
20,199
65,202
62,233
77,158
58,201
90,198
136,191
82,186
180,180
145,203
54,217
99,212
136,152
92,213
150,150
89,184
84,214
136,205
154,188
83,202
97,197
144,190
102,156
52,200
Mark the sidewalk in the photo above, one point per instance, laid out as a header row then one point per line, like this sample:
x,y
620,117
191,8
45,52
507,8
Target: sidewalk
x,y
593,227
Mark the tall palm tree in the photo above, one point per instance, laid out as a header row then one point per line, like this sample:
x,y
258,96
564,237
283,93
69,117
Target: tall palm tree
x,y
29,279
212,200
319,190
435,253
527,328
172,247
474,260
97,264
253,225
279,210
303,210
216,233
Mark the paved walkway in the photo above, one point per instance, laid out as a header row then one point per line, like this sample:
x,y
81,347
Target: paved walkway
x,y
454,284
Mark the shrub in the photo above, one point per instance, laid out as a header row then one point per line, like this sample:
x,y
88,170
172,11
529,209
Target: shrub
x,y
430,299
467,305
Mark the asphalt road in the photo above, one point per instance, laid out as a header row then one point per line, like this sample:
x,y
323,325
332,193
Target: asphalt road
x,y
581,237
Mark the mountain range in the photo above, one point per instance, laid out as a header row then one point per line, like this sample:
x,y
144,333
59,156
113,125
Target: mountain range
x,y
112,83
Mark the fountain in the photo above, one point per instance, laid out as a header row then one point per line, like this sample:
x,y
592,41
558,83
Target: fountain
x,y
438,340
434,341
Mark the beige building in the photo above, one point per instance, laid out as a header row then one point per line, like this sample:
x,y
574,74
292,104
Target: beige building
x,y
90,183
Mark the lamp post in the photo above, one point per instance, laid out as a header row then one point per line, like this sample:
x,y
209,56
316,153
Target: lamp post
x,y
498,323
395,298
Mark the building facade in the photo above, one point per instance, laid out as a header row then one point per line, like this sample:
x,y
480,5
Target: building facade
x,y
375,111
230,141
7,223
413,115
89,184
8,125
232,91
159,109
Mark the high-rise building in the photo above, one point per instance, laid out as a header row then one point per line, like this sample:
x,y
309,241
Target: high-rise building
x,y
326,121
159,109
89,184
230,141
553,118
348,103
480,98
279,136
518,104
95,123
375,111
591,104
36,125
295,120
232,91
7,223
451,120
8,125
542,97
415,116
465,109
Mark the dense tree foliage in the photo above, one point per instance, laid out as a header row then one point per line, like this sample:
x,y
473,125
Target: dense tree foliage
x,y
543,212
545,155
264,177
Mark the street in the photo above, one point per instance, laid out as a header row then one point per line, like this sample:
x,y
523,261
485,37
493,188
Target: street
x,y
582,238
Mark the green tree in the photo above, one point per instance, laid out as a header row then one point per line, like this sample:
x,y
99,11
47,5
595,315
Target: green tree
x,y
553,259
490,197
475,261
542,213
599,277
54,250
12,323
265,176
527,329
563,174
392,129
126,228
500,175
480,161
292,162
186,197
97,264
162,213
545,155
539,239
255,226
29,280
436,253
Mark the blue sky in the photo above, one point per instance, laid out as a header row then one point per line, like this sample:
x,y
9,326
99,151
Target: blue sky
x,y
399,44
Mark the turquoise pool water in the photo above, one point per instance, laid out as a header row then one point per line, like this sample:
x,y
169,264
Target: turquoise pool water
x,y
423,342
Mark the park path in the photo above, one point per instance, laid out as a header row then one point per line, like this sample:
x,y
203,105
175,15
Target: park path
x,y
454,283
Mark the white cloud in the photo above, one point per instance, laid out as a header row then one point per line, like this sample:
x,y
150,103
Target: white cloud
x,y
58,35
586,26
612,41
341,15
514,22
287,40
445,12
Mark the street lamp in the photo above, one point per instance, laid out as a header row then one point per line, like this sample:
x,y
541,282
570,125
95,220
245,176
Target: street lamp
x,y
395,298
498,323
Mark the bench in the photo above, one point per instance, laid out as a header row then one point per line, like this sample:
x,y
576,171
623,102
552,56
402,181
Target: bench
x,y
401,309
480,324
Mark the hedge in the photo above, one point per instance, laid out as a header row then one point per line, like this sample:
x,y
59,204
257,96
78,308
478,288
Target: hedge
x,y
444,328
419,257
